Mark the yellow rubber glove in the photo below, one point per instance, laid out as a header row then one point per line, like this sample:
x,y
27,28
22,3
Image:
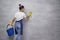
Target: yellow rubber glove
x,y
11,23
30,14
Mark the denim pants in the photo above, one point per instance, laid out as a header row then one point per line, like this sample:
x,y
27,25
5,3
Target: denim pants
x,y
19,29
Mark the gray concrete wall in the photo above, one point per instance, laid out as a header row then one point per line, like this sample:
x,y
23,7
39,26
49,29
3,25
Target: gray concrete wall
x,y
44,23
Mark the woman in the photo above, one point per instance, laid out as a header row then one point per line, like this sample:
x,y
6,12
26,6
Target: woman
x,y
19,16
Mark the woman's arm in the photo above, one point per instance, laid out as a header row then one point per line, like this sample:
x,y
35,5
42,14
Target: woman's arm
x,y
14,19
11,23
26,17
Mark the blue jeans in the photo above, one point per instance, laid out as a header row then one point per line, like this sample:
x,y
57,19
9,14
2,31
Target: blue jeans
x,y
19,29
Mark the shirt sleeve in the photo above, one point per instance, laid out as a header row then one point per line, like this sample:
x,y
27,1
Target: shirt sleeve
x,y
24,15
16,15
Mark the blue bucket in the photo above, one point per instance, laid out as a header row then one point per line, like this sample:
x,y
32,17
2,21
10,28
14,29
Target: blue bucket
x,y
10,31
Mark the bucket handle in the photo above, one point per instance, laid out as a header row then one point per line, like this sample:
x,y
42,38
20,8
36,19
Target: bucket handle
x,y
7,26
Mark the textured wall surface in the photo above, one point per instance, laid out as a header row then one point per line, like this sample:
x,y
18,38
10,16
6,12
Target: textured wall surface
x,y
44,23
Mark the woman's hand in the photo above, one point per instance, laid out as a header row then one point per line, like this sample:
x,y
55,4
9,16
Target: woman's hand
x,y
10,24
29,14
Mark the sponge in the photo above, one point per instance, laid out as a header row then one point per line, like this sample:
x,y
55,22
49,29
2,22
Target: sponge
x,y
30,13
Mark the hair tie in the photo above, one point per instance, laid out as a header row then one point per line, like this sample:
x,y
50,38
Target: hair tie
x,y
19,4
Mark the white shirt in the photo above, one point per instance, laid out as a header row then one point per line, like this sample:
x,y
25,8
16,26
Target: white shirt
x,y
20,15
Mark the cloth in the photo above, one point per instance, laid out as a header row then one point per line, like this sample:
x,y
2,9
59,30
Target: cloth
x,y
19,29
16,31
19,16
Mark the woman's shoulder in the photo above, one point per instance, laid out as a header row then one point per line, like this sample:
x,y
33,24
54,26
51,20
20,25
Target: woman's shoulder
x,y
20,13
17,12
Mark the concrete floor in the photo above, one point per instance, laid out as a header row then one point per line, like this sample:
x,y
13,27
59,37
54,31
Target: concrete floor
x,y
44,23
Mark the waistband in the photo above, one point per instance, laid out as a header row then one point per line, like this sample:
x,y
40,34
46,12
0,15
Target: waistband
x,y
19,20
